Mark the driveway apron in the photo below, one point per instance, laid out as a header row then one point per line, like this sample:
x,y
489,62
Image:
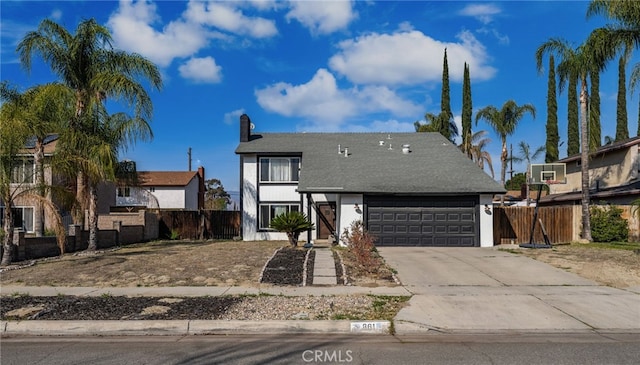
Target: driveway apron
x,y
488,290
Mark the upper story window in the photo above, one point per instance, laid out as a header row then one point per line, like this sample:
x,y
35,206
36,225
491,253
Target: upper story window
x,y
23,171
124,192
279,169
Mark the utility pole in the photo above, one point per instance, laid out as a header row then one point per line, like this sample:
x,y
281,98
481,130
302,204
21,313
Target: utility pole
x,y
189,153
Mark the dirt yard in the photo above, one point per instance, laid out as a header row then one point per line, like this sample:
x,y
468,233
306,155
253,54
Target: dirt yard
x,y
189,263
162,263
617,268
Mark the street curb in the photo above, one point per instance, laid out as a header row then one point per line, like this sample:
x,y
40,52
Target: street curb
x,y
175,327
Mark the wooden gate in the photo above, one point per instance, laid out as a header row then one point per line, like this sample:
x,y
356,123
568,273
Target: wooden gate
x,y
513,224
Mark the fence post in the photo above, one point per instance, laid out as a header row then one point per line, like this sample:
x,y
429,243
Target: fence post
x,y
75,231
19,249
117,226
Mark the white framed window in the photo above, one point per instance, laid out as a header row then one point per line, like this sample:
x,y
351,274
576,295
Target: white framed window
x,y
270,211
279,169
22,218
124,192
23,171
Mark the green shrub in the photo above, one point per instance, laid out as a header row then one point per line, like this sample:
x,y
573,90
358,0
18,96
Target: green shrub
x,y
607,224
292,223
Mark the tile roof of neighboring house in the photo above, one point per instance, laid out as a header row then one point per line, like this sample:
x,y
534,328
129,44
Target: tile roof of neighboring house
x,y
434,165
50,142
166,178
631,189
605,149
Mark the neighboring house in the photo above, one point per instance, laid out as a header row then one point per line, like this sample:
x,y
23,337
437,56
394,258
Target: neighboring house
x,y
164,190
24,177
613,176
410,189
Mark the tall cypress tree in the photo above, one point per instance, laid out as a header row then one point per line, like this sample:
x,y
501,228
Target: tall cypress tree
x,y
573,126
445,100
467,111
553,138
595,134
622,128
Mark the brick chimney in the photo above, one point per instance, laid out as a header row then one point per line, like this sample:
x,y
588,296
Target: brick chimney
x,y
201,187
245,128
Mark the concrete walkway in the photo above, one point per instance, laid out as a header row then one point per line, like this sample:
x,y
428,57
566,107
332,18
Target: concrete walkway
x,y
324,267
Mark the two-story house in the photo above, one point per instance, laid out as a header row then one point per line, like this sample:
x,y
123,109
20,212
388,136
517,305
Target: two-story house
x,y
23,177
164,190
613,176
409,189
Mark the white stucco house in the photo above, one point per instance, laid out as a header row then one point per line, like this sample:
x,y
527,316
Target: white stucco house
x,y
164,190
409,189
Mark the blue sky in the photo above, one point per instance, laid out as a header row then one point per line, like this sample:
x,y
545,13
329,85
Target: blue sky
x,y
363,66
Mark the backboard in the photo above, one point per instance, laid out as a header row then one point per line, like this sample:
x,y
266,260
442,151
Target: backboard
x,y
548,173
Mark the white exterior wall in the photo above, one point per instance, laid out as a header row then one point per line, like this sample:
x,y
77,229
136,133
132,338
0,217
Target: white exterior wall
x,y
486,220
191,195
346,212
268,193
170,197
249,168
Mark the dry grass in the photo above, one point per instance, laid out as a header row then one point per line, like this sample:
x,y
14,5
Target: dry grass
x,y
604,264
158,263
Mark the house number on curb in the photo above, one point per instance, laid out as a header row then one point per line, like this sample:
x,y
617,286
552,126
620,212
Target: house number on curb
x,y
370,327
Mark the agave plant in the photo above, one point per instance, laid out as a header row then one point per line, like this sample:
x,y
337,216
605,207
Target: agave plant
x,y
292,223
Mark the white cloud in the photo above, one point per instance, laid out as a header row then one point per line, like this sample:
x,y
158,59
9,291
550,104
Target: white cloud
x,y
201,70
132,31
233,116
327,106
56,15
483,12
322,17
408,57
391,125
225,17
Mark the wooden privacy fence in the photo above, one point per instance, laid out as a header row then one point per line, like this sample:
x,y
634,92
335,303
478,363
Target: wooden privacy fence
x,y
513,224
203,224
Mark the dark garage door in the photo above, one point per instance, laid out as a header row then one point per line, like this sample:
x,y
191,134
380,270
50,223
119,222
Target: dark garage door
x,y
423,221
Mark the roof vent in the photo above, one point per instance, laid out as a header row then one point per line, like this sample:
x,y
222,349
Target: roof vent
x,y
406,149
390,147
381,143
346,152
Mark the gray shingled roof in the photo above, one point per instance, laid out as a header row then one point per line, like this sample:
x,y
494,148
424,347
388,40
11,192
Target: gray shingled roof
x,y
434,166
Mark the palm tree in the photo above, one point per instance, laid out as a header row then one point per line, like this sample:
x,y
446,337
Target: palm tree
x,y
580,62
44,109
442,123
292,223
23,116
525,155
618,37
478,153
87,63
504,123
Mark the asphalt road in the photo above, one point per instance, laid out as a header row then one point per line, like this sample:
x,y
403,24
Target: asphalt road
x,y
559,348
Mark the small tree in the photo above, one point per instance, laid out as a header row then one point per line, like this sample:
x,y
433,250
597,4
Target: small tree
x,y
216,198
292,223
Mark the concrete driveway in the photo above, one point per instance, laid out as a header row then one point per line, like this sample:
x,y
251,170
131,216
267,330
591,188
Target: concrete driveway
x,y
488,290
